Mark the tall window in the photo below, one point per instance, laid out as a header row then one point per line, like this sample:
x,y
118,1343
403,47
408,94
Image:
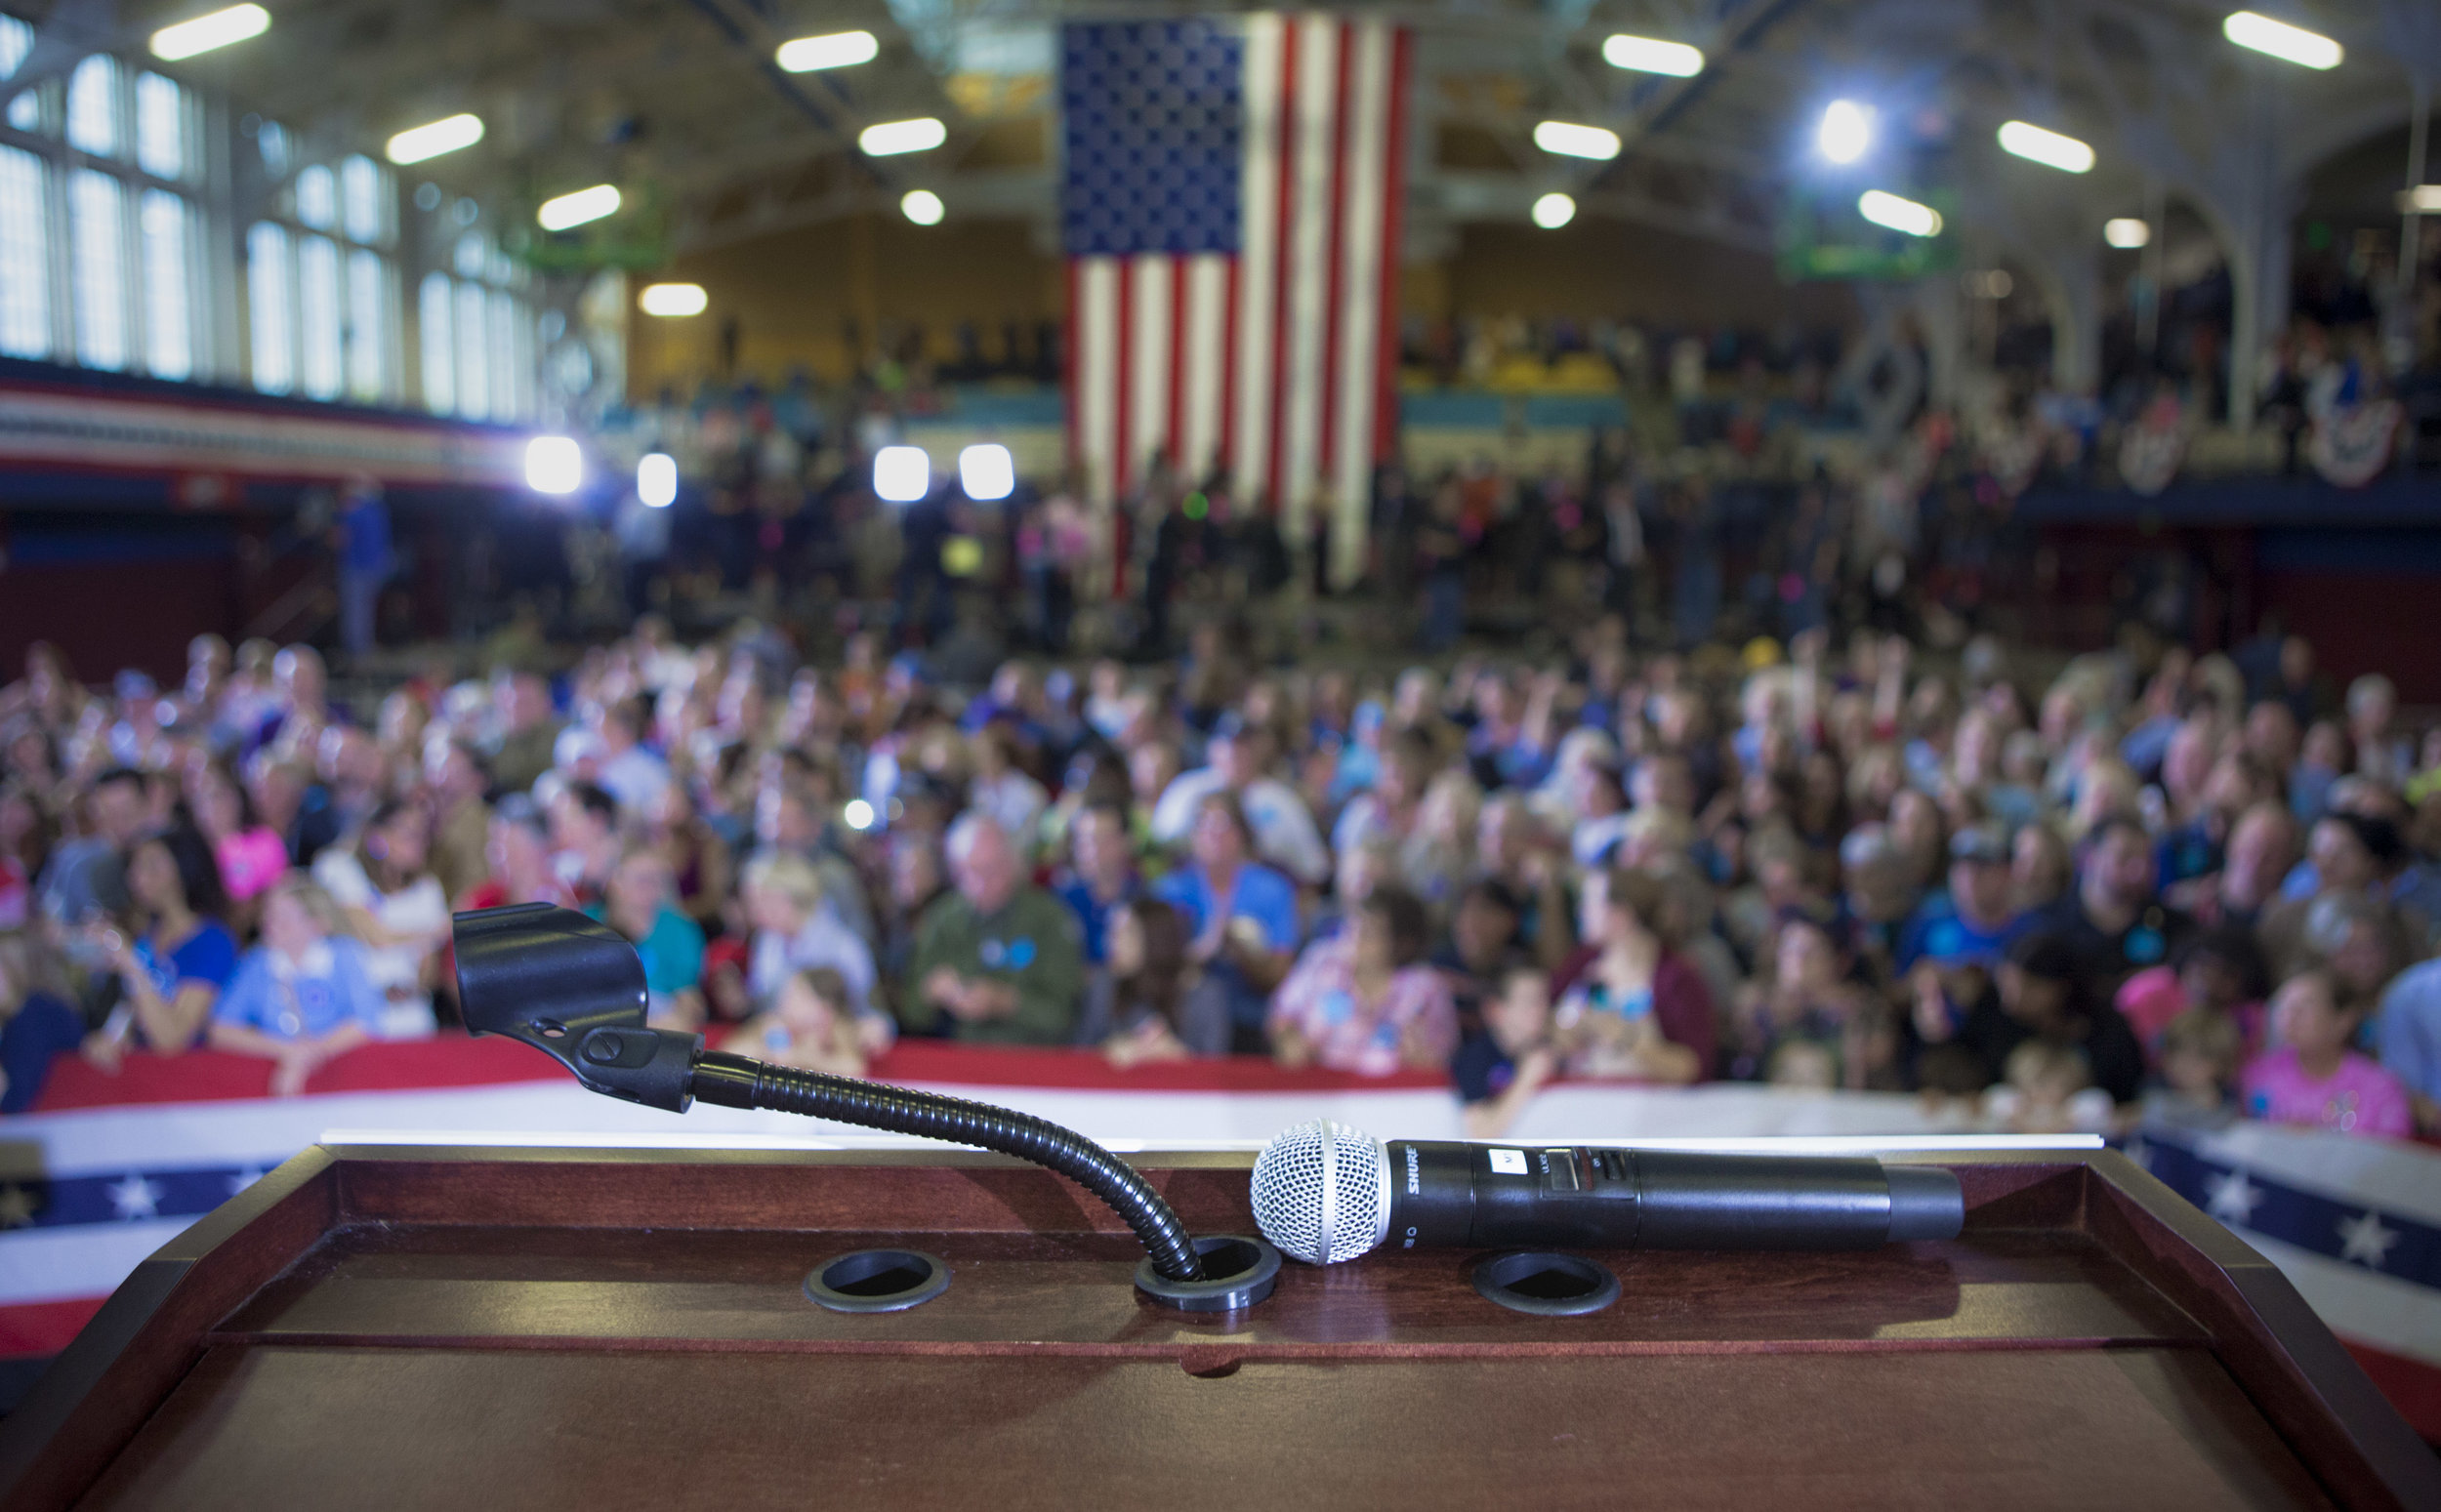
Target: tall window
x,y
436,347
97,208
169,319
320,343
16,39
271,307
24,255
93,106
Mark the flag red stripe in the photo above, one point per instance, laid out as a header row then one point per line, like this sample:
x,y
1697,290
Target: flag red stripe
x,y
1226,459
1181,269
1393,201
1284,236
1122,442
1335,276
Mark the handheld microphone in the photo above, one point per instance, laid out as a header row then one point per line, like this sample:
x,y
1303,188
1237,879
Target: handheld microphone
x,y
1325,1193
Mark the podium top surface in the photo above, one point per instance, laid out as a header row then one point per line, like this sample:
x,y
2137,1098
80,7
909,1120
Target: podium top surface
x,y
400,1326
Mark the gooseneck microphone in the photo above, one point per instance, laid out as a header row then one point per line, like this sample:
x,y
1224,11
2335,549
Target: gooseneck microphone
x,y
574,988
1325,1193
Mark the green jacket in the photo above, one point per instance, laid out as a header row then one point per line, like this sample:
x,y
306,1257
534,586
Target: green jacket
x,y
1031,944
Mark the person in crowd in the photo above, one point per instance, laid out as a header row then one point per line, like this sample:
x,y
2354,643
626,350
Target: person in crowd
x,y
641,904
1629,1007
173,956
2314,1077
2218,974
352,781
698,858
303,997
1368,1004
1479,946
528,731
584,838
2046,990
517,861
382,882
627,769
1805,1021
85,877
1101,880
793,930
38,1017
458,783
2408,1032
2047,1088
1000,960
26,841
1148,1002
811,1024
1975,918
2115,920
250,853
2261,849
1241,915
2201,1054
1283,831
1500,1067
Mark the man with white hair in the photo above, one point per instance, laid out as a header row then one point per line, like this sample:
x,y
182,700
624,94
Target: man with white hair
x,y
1239,754
1002,960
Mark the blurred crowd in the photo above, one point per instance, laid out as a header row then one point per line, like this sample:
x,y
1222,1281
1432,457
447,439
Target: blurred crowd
x,y
2146,883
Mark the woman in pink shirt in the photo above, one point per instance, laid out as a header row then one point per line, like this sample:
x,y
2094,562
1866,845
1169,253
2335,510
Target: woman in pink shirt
x,y
2314,1079
1365,1001
251,853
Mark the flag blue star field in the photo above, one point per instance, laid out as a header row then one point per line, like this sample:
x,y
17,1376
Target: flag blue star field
x,y
1230,207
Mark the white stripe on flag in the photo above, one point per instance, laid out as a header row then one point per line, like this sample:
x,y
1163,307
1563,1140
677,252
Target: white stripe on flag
x,y
1207,313
91,1259
1257,253
1317,114
1359,311
1149,422
2384,1311
1097,371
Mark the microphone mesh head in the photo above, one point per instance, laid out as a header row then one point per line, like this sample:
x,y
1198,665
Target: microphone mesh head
x,y
1322,1192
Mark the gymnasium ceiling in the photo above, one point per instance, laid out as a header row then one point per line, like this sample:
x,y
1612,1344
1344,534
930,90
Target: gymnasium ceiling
x,y
680,98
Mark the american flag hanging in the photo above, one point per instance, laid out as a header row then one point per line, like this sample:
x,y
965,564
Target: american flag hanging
x,y
1231,208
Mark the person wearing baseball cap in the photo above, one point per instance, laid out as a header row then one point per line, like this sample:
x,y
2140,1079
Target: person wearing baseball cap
x,y
1972,923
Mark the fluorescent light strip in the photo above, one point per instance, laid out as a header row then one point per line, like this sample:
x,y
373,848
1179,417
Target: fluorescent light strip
x,y
1652,54
892,137
839,50
206,32
446,135
2051,148
2290,44
1566,139
558,215
1900,215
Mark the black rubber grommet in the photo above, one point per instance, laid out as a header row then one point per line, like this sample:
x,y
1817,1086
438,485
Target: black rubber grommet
x,y
1547,1284
1239,1273
878,1281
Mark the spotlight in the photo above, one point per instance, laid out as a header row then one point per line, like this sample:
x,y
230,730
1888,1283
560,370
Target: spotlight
x,y
1554,211
1900,215
892,137
858,813
2051,148
1652,54
987,472
902,475
1845,131
656,480
2289,44
1570,140
922,206
2127,231
558,215
446,135
206,32
672,299
836,51
554,464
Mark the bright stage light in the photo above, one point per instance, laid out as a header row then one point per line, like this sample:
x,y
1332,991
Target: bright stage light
x,y
672,301
1652,54
2289,44
987,472
902,475
2423,199
923,207
1554,211
892,137
206,32
839,50
2025,140
1845,131
2127,231
554,464
858,813
1900,215
446,135
558,215
1572,140
656,480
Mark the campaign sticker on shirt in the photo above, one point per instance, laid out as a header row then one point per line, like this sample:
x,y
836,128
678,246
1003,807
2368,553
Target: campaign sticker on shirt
x,y
2145,945
1020,955
1338,1008
992,954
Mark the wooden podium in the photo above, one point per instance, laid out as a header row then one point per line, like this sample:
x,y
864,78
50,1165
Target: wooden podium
x,y
388,1326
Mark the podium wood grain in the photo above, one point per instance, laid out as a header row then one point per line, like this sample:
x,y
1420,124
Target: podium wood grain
x,y
594,1330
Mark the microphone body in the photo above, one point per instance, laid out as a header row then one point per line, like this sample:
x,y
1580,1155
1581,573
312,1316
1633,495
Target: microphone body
x,y
1483,1196
1324,1192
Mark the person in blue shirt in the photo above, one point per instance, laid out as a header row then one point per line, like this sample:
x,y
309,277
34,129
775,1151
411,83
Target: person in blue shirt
x,y
1973,922
641,902
1101,879
361,538
1242,914
174,958
302,998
